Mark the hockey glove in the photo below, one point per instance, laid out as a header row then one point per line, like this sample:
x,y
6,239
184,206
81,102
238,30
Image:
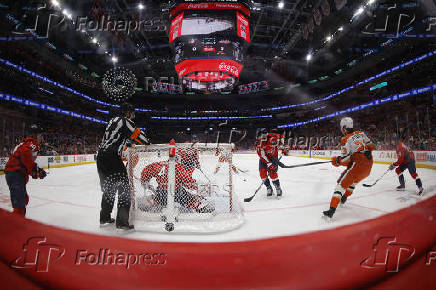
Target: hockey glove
x,y
336,161
41,173
392,166
34,173
271,167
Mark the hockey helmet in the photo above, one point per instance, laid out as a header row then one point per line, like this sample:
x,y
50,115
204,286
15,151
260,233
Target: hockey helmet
x,y
35,129
262,134
346,123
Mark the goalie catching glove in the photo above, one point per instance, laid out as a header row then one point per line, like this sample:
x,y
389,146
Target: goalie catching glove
x,y
38,172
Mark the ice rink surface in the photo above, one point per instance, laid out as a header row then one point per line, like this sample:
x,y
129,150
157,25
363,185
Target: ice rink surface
x,y
70,198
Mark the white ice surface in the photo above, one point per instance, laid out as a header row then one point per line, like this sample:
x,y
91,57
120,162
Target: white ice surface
x,y
70,198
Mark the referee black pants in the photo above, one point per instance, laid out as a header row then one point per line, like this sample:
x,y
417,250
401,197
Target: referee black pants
x,y
113,180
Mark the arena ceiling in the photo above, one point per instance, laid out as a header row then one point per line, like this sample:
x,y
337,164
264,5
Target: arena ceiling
x,y
278,52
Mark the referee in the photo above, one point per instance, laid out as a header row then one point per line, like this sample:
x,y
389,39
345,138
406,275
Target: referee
x,y
111,170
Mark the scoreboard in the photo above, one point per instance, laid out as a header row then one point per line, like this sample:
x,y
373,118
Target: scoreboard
x,y
209,40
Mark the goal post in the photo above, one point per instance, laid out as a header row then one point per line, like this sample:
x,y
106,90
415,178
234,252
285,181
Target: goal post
x,y
183,187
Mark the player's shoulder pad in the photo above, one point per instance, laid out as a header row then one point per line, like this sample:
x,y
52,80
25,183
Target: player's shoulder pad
x,y
344,140
30,143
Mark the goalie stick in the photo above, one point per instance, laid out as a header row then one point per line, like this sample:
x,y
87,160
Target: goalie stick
x,y
370,185
301,165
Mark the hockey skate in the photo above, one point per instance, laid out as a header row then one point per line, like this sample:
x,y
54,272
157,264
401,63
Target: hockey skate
x,y
269,191
329,213
122,222
279,192
125,227
106,222
401,187
420,190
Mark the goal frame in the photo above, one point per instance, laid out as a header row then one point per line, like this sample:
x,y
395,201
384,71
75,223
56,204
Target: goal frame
x,y
169,219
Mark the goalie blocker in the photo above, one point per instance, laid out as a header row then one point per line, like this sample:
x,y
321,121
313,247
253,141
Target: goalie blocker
x,y
175,188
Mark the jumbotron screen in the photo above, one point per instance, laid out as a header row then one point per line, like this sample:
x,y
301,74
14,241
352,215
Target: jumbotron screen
x,y
209,41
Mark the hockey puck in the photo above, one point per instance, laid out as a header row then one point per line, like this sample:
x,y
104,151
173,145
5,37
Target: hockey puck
x,y
169,227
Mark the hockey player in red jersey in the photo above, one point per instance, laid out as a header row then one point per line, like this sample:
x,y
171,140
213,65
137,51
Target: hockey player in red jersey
x,y
356,155
184,182
406,160
267,150
20,165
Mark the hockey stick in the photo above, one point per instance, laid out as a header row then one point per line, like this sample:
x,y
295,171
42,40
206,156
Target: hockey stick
x,y
302,165
240,170
208,179
48,167
248,199
370,185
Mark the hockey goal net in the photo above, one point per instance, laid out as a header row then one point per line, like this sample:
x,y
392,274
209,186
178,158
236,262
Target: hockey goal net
x,y
185,188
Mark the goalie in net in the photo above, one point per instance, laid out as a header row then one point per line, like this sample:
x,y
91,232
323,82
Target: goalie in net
x,y
183,188
184,184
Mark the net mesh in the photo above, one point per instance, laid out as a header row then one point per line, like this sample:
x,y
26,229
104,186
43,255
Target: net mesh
x,y
192,192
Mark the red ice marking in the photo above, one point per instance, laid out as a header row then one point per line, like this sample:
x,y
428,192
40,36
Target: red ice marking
x,y
309,205
371,208
288,207
63,202
41,204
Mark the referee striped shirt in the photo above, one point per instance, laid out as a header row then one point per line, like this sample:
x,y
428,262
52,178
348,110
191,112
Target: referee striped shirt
x,y
118,132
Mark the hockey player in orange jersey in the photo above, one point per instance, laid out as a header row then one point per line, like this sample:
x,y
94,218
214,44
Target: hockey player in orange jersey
x,y
224,156
356,155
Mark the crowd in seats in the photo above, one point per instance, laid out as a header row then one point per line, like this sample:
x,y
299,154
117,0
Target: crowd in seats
x,y
416,116
60,135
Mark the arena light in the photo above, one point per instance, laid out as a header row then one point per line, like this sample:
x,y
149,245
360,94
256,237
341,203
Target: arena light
x,y
55,3
67,13
309,57
94,40
281,5
341,28
328,38
114,59
358,11
213,118
49,108
141,6
371,2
